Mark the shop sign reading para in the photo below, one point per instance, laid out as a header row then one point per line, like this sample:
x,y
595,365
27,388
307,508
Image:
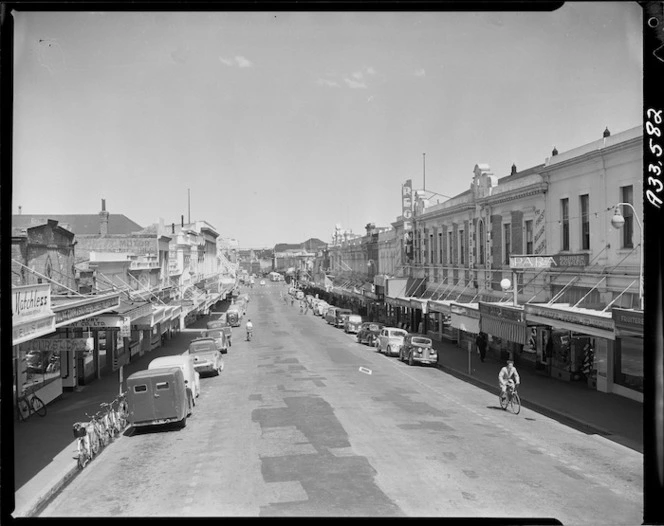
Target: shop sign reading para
x,y
530,261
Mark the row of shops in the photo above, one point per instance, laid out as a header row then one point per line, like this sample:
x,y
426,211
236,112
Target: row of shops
x,y
63,342
602,349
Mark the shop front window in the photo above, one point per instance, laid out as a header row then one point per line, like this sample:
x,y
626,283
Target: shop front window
x,y
628,364
36,368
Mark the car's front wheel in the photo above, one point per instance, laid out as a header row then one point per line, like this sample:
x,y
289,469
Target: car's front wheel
x,y
388,351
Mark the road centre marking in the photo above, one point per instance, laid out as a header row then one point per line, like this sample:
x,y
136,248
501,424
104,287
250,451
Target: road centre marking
x,y
365,370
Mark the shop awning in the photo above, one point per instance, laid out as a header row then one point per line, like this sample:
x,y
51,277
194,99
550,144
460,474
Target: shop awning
x,y
503,321
628,322
443,306
465,317
576,319
419,303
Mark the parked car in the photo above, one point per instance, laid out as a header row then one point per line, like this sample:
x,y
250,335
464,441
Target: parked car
x,y
207,359
184,362
390,340
369,332
158,396
321,307
233,317
342,314
331,315
352,323
418,349
219,337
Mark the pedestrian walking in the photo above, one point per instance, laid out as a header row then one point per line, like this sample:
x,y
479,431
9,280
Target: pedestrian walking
x,y
481,343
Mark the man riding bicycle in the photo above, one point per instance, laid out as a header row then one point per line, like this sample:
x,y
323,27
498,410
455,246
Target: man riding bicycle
x,y
250,329
508,375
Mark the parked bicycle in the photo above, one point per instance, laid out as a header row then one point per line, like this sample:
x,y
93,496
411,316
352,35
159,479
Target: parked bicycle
x,y
99,429
109,419
510,398
87,443
121,409
29,403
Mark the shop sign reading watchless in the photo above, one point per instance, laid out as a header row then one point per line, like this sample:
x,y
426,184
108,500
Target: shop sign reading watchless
x,y
32,315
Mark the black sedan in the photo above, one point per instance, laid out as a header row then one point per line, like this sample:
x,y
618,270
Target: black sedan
x,y
368,332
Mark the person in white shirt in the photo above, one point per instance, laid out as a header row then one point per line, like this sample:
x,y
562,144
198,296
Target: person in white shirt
x,y
508,374
250,329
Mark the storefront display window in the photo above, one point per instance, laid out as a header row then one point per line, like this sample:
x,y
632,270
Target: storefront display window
x,y
628,362
434,322
36,368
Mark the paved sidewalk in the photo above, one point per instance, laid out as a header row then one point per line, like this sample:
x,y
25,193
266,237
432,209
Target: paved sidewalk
x,y
614,417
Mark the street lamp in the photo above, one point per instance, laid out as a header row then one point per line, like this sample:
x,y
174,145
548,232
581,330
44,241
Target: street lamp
x,y
505,285
618,221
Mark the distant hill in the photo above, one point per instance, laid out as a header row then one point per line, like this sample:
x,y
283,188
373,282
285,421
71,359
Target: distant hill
x,y
310,245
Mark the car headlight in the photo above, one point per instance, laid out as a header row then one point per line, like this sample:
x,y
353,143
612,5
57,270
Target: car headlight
x,y
418,351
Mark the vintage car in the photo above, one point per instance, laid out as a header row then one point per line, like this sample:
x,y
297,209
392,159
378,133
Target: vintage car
x,y
321,307
184,362
342,314
233,316
158,396
390,340
369,332
219,337
207,359
418,348
331,315
352,323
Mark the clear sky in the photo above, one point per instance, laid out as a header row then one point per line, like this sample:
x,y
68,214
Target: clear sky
x,y
285,124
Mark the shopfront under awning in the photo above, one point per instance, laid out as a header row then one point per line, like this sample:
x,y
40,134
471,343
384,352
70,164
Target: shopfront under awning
x,y
465,317
576,319
503,321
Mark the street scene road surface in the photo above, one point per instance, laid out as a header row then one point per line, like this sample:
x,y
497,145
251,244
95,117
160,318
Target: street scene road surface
x,y
304,421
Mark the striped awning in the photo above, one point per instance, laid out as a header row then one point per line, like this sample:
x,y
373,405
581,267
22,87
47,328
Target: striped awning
x,y
504,329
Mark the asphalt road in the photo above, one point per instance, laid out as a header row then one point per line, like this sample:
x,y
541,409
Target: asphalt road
x,y
303,421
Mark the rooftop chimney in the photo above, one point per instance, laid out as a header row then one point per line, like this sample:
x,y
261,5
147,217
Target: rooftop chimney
x,y
182,220
513,169
103,219
606,133
172,228
554,151
19,209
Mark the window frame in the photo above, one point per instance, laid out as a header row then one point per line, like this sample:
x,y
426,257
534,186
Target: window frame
x,y
564,223
507,242
584,202
529,233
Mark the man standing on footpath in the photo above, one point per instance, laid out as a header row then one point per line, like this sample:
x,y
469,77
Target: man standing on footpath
x,y
481,342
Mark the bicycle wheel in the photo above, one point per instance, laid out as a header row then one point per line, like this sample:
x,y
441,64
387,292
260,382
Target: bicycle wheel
x,y
516,404
503,400
82,458
94,441
38,406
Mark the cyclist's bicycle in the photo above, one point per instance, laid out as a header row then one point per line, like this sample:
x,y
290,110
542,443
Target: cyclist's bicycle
x,y
510,398
29,403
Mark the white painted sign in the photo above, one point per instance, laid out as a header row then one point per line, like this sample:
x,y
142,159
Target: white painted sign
x,y
30,302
